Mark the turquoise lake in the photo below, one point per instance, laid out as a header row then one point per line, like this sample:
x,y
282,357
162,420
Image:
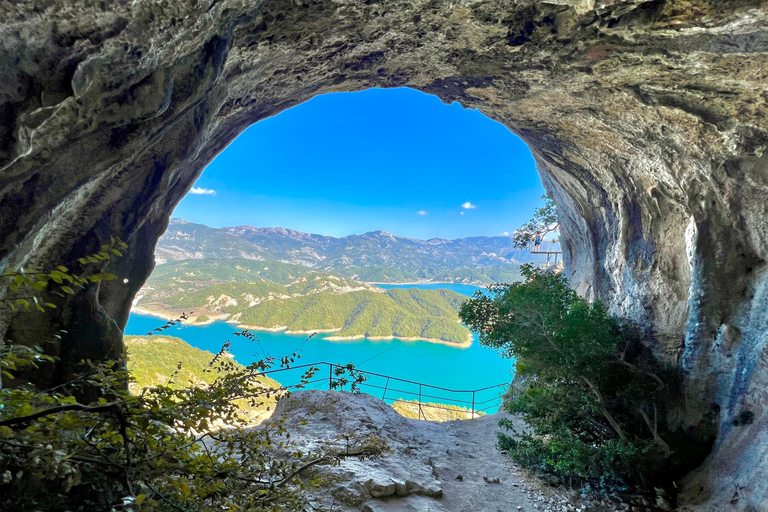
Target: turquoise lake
x,y
434,364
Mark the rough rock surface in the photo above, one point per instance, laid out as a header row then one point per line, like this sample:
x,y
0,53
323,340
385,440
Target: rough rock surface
x,y
436,467
647,120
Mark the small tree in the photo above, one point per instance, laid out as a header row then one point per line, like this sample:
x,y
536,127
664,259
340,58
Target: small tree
x,y
347,374
170,447
594,397
544,221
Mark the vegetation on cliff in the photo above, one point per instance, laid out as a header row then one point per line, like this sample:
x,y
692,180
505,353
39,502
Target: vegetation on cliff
x,y
171,439
90,444
595,399
543,222
170,361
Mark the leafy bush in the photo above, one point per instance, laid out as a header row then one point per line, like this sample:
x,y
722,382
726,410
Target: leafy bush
x,y
170,447
594,398
89,444
202,318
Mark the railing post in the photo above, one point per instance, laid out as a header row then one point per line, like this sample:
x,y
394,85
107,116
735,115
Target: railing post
x,y
330,376
421,413
473,405
384,395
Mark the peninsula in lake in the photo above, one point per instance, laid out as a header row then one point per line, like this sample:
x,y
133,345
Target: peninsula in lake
x,y
279,279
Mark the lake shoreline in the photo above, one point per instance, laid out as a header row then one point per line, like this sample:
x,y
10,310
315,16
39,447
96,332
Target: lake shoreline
x,y
167,314
407,283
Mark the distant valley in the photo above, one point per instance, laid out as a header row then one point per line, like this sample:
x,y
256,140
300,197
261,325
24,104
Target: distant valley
x,y
280,279
377,256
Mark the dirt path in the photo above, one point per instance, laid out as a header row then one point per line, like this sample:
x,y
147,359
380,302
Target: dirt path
x,y
452,466
475,476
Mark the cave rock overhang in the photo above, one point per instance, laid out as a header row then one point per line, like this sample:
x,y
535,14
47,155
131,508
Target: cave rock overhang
x,y
647,121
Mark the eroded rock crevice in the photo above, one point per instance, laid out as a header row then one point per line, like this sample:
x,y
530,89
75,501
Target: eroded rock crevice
x,y
647,121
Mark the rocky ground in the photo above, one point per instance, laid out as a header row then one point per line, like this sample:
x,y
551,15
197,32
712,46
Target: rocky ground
x,y
448,467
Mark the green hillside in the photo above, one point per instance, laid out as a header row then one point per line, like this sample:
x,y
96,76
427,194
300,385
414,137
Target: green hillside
x,y
402,313
475,276
152,360
280,295
190,283
228,269
433,411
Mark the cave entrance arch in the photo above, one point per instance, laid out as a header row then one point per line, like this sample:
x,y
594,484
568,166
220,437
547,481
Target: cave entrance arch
x,y
352,165
647,121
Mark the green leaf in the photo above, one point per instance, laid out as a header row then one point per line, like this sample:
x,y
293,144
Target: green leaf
x,y
49,305
139,499
82,260
116,252
40,308
17,280
67,289
92,259
39,285
23,302
63,268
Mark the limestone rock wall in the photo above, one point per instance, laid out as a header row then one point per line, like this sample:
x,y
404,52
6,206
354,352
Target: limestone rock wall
x,y
647,120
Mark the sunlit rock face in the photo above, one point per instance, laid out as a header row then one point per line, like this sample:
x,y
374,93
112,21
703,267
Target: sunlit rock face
x,y
647,120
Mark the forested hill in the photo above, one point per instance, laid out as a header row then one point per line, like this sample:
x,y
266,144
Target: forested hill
x,y
273,295
377,256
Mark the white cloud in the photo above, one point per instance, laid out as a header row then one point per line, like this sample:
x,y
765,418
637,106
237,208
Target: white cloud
x,y
202,191
422,212
462,213
469,206
506,233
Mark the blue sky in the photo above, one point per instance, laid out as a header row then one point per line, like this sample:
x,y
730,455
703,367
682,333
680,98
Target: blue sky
x,y
395,159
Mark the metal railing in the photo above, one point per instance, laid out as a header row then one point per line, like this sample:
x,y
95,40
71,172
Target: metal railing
x,y
548,248
472,403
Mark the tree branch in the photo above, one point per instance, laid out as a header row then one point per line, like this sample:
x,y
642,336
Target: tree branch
x,y
328,458
603,408
56,410
649,374
655,429
168,501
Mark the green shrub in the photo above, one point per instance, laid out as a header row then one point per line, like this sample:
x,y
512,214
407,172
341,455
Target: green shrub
x,y
202,318
90,444
594,398
168,447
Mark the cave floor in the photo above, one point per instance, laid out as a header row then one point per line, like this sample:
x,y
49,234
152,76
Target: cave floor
x,y
432,467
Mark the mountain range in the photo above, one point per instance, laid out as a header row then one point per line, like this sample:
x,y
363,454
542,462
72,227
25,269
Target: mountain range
x,y
351,255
